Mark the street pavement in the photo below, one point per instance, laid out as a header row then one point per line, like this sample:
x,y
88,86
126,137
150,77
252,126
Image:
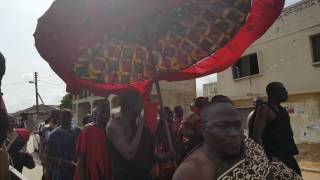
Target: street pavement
x,y
36,173
310,175
33,174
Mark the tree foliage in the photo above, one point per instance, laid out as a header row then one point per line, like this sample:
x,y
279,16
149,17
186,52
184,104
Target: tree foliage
x,y
66,102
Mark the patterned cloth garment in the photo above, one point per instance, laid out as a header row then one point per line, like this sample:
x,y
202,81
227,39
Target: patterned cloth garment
x,y
256,166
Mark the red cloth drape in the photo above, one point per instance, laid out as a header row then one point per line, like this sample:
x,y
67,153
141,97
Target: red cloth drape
x,y
92,145
151,113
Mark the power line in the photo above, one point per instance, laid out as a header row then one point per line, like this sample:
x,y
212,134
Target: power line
x,y
43,81
12,84
47,82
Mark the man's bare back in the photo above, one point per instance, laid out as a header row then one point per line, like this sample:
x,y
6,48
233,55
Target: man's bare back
x,y
120,127
125,138
196,166
131,144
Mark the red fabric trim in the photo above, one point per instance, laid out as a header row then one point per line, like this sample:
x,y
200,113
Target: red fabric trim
x,y
50,34
262,15
59,26
92,145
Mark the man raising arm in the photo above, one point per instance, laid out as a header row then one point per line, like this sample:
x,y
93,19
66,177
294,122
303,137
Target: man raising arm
x,y
131,144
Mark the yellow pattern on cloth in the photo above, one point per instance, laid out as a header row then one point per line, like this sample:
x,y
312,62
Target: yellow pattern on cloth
x,y
256,166
178,40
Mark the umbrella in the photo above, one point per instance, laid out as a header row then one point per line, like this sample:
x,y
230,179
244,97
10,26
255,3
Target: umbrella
x,y
110,46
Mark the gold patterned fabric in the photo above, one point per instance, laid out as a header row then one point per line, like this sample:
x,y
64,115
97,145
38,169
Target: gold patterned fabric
x,y
279,171
256,166
168,41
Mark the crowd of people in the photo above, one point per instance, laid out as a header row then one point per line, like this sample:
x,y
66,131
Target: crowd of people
x,y
208,144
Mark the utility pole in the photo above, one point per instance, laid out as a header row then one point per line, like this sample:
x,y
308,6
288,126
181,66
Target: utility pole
x,y
36,87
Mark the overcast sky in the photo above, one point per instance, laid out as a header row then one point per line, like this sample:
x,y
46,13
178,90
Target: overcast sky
x,y
18,20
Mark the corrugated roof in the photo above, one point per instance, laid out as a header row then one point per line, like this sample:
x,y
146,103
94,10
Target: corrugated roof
x,y
42,109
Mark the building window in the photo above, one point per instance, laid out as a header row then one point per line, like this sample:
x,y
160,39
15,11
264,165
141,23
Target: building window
x,y
74,108
315,43
85,93
81,95
246,66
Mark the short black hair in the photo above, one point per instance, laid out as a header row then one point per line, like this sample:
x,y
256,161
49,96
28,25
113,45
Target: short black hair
x,y
66,111
2,66
221,98
272,88
207,108
128,100
86,119
54,116
200,102
178,111
100,108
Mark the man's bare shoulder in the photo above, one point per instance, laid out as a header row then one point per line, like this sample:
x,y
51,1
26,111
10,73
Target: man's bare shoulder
x,y
186,171
114,127
265,110
194,167
264,107
191,118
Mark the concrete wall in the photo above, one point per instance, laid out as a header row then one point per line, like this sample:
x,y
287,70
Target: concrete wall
x,y
174,98
210,89
284,54
81,107
304,111
177,93
174,93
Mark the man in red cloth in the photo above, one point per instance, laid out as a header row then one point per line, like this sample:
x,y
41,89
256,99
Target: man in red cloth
x,y
94,161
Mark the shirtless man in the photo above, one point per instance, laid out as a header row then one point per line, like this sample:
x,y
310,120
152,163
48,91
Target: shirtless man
x,y
223,138
131,144
271,127
226,153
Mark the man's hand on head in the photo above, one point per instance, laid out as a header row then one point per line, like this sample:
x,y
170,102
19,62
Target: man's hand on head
x,y
140,120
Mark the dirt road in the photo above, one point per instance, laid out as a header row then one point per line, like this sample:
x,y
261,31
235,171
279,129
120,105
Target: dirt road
x,y
311,175
36,173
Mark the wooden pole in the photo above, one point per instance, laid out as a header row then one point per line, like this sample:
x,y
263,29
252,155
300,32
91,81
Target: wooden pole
x,y
36,88
147,40
162,119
